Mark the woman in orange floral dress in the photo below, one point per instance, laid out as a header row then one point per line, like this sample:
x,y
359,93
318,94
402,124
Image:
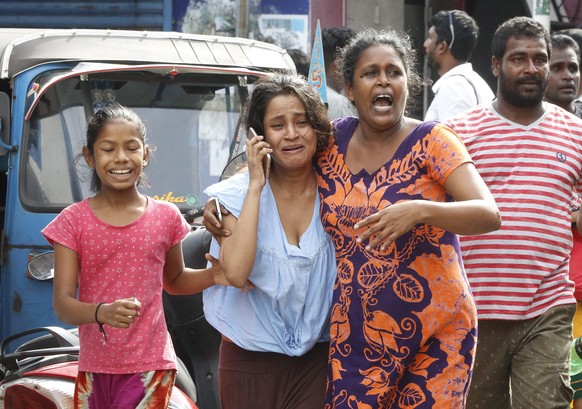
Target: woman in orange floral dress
x,y
395,193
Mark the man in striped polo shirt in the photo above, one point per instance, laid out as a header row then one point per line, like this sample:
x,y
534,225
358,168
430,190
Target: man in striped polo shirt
x,y
529,153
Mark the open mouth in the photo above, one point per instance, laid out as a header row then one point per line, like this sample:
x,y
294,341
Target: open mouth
x,y
120,172
382,101
292,148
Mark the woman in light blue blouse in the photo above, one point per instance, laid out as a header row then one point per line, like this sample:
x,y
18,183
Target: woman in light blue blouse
x,y
275,335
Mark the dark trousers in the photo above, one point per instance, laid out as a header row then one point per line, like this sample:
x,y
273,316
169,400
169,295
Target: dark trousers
x,y
267,380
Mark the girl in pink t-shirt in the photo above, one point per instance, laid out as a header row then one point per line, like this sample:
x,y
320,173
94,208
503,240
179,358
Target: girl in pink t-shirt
x,y
118,250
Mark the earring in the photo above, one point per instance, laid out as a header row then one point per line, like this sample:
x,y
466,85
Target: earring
x,y
145,163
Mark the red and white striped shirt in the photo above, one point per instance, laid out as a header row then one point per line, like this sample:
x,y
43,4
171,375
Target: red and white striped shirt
x,y
521,270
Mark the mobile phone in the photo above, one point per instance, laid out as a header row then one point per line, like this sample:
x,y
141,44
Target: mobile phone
x,y
218,212
266,158
267,165
252,133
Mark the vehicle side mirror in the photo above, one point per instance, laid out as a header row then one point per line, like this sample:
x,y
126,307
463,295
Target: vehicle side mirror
x,y
42,267
4,122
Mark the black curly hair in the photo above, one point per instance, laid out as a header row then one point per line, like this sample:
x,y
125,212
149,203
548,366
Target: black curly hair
x,y
271,86
402,44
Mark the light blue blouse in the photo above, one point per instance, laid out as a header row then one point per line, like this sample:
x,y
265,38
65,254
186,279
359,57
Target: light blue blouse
x,y
288,310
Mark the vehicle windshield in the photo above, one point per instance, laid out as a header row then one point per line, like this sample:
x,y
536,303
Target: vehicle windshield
x,y
191,122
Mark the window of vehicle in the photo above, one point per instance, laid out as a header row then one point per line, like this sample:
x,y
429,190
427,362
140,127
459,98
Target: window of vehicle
x,y
191,121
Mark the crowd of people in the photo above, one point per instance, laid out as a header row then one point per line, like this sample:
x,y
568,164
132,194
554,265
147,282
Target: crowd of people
x,y
366,259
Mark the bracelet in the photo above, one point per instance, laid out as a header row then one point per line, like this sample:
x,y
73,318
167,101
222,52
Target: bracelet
x,y
101,329
96,311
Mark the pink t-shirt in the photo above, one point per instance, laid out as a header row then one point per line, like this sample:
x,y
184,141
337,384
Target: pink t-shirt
x,y
121,262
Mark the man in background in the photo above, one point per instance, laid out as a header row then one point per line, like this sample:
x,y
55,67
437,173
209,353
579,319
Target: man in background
x,y
564,79
576,34
563,85
332,40
301,61
452,37
528,153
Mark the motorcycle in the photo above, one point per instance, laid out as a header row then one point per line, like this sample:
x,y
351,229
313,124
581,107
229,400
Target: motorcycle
x,y
40,372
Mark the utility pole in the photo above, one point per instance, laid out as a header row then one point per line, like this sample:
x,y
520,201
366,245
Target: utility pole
x,y
242,26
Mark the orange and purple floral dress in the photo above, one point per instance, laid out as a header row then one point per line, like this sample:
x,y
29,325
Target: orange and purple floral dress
x,y
403,320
